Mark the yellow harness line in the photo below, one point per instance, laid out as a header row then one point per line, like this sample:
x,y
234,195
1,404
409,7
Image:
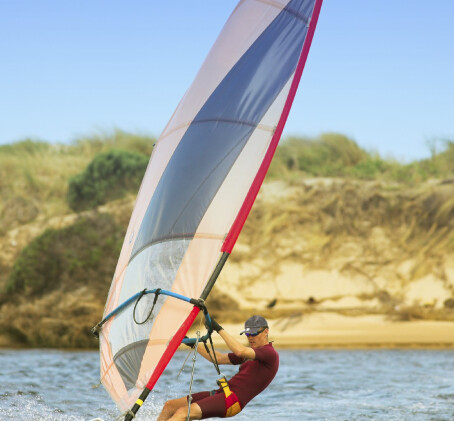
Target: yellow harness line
x,y
232,404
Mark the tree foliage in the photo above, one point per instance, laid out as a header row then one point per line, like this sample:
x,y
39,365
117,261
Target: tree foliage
x,y
109,176
81,254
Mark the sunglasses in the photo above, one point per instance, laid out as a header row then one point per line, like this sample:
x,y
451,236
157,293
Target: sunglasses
x,y
255,334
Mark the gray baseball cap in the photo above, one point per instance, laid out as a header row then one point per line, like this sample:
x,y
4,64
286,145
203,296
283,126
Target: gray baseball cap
x,y
254,324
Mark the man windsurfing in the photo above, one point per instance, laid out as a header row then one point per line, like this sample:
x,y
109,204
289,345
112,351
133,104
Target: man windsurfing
x,y
258,362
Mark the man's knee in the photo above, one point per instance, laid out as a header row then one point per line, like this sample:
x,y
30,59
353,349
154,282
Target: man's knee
x,y
182,412
167,405
171,406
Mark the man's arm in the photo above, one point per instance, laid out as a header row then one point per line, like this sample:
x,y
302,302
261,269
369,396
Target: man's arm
x,y
238,349
220,357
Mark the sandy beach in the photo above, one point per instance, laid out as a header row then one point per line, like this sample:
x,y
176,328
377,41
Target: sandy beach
x,y
332,330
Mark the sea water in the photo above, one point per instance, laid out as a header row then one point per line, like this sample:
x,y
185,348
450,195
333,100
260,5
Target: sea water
x,y
310,385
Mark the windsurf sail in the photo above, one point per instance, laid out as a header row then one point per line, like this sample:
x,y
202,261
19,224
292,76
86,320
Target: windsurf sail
x,y
202,179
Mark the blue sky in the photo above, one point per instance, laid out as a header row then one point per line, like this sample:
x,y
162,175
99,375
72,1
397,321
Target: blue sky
x,y
379,72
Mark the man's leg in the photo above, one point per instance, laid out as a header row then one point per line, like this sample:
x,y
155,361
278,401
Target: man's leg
x,y
182,413
170,407
179,408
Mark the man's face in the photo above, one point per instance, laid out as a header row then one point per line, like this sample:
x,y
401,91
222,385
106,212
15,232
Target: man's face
x,y
258,340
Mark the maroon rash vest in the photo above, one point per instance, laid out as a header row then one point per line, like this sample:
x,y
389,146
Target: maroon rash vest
x,y
254,375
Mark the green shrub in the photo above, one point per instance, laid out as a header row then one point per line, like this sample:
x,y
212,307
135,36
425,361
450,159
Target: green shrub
x,y
444,161
335,155
370,169
328,155
109,176
81,254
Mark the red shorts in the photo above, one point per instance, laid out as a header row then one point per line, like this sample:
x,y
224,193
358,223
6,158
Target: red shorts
x,y
211,405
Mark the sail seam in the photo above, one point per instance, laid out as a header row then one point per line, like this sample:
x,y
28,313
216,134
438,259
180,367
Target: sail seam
x,y
281,7
232,120
260,126
298,15
177,236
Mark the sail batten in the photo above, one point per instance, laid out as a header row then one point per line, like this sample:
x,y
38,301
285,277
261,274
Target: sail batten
x,y
200,185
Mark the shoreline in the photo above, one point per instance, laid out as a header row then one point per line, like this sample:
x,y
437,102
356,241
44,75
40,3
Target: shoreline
x,y
335,331
326,330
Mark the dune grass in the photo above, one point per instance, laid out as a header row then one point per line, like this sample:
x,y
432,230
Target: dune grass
x,y
335,155
34,175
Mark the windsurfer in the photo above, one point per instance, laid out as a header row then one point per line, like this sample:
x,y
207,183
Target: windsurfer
x,y
259,364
